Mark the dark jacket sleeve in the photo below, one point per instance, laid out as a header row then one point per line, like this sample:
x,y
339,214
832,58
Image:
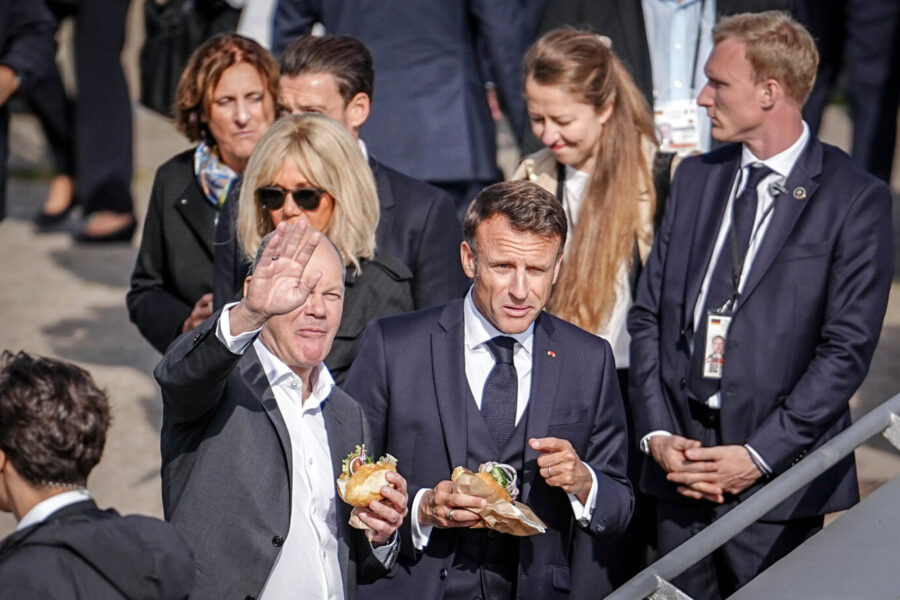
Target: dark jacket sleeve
x,y
292,19
29,46
230,265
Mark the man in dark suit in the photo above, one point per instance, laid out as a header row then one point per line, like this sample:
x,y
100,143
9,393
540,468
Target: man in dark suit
x,y
254,433
335,76
432,120
491,377
782,246
53,423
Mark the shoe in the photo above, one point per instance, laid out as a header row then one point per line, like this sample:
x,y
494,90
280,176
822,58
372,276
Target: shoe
x,y
123,234
44,221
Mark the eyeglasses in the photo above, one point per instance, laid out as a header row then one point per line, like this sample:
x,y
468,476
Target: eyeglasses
x,y
272,197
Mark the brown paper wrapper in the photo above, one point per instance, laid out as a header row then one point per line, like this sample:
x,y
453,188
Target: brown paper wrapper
x,y
502,515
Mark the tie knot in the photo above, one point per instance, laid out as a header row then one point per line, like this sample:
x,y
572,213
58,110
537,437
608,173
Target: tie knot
x,y
756,172
502,349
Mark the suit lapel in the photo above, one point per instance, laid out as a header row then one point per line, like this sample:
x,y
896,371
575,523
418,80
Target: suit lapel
x,y
787,210
255,378
546,361
198,213
707,219
448,364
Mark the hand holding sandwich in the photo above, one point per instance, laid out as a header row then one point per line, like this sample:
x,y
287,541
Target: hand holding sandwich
x,y
437,504
560,467
385,516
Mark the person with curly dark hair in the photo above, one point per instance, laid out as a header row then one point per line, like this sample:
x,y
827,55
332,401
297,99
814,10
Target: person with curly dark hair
x,y
53,423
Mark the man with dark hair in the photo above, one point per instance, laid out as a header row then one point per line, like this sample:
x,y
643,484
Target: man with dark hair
x,y
334,75
492,377
782,247
255,432
53,422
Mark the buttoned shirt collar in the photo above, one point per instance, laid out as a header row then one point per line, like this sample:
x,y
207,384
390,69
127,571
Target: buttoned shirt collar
x,y
43,509
478,330
277,373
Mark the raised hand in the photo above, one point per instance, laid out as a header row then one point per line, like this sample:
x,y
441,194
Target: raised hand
x,y
279,283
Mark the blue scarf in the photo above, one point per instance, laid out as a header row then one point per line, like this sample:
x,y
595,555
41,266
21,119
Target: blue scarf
x,y
215,176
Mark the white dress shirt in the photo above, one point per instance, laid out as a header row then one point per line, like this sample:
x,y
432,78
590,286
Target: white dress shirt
x,y
43,509
307,564
781,164
479,361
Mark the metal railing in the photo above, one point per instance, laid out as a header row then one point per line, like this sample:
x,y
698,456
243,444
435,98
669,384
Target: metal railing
x,y
883,418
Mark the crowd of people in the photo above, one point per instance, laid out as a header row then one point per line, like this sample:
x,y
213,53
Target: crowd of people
x,y
645,332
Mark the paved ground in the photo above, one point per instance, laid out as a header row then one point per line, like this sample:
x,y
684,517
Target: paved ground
x,y
67,301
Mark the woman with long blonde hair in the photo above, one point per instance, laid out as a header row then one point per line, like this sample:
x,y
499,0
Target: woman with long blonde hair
x,y
598,159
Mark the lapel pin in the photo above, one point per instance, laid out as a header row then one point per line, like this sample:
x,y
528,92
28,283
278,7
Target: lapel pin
x,y
551,353
799,193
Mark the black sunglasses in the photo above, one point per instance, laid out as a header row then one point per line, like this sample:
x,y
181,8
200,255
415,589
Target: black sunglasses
x,y
272,197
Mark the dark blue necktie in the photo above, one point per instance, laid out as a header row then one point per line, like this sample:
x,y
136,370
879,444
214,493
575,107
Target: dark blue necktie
x,y
721,283
498,400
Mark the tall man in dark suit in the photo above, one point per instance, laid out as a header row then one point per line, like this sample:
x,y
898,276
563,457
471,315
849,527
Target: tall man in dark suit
x,y
254,432
432,120
782,246
491,377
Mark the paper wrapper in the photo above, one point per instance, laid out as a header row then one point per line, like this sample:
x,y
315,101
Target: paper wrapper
x,y
501,515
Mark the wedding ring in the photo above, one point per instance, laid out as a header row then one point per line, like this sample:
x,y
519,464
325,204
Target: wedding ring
x,y
450,515
549,471
275,257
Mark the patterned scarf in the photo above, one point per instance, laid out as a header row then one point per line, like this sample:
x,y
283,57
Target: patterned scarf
x,y
214,175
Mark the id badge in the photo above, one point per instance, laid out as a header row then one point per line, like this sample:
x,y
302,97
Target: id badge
x,y
714,348
677,124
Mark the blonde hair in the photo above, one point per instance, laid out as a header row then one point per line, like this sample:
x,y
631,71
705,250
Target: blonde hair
x,y
329,158
777,47
582,64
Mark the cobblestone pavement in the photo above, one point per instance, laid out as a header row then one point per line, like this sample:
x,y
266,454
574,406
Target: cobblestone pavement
x,y
68,301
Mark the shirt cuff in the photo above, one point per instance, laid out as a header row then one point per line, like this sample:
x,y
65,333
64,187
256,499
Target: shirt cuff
x,y
387,553
758,460
645,441
420,533
236,344
584,512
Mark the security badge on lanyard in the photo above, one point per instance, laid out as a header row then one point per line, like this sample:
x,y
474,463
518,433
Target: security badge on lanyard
x,y
677,124
718,321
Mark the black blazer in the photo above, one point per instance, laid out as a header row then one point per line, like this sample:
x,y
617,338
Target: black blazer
x,y
623,22
174,265
80,551
808,320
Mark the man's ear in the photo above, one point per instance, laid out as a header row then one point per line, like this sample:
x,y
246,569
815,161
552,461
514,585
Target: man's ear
x,y
469,260
769,92
358,110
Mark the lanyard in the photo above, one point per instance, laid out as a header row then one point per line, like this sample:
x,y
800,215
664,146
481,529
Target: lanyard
x,y
738,256
693,73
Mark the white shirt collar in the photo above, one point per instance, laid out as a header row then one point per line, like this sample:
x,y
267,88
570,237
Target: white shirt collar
x,y
362,146
43,509
784,161
278,373
479,330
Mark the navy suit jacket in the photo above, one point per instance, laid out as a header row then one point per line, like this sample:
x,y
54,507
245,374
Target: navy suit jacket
x,y
430,117
806,325
409,377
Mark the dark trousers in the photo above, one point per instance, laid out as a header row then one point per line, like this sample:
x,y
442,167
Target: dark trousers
x,y
739,560
92,137
863,37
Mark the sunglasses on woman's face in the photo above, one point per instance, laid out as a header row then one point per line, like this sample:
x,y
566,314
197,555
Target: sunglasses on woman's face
x,y
272,197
